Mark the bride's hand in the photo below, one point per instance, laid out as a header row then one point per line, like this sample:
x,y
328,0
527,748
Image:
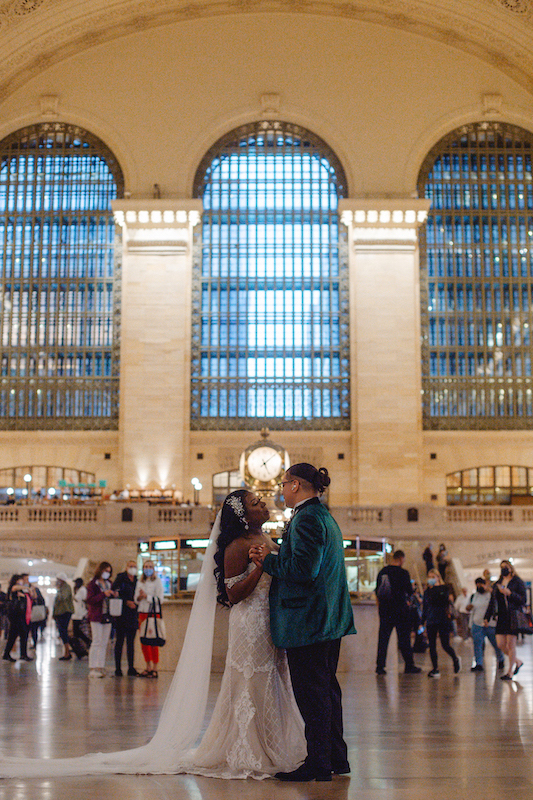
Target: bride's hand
x,y
256,553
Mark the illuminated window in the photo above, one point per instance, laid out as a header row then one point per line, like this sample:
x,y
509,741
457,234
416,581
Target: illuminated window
x,y
492,485
270,288
58,282
477,279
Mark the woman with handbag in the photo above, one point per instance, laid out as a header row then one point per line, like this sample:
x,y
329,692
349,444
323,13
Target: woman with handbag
x,y
98,593
62,612
149,596
507,601
127,623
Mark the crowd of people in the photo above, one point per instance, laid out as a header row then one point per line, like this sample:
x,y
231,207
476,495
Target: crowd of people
x,y
86,617
496,610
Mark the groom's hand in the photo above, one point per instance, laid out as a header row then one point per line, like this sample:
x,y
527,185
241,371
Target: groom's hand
x,y
257,554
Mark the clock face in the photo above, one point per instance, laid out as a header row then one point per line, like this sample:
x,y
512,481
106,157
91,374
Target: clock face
x,y
264,463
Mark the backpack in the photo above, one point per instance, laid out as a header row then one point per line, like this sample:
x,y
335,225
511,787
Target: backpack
x,y
384,590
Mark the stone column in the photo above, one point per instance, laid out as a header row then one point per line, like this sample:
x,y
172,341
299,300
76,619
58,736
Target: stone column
x,y
385,348
155,340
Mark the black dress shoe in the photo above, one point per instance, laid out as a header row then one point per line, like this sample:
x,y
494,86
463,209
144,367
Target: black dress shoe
x,y
26,658
412,670
118,673
133,673
341,769
303,774
381,671
8,658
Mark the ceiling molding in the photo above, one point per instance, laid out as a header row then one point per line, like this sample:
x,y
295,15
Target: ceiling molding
x,y
496,31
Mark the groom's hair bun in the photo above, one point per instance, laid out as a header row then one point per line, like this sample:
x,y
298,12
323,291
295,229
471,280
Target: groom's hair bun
x,y
318,478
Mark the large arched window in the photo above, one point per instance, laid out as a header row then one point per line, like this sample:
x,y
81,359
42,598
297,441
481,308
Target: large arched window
x,y
58,281
477,279
270,290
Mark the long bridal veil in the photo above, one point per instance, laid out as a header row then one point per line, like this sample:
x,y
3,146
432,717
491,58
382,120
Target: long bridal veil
x,y
183,711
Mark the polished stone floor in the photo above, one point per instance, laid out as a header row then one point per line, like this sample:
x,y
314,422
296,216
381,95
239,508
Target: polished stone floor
x,y
410,737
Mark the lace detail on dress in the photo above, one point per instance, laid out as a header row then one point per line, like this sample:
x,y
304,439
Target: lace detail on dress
x,y
229,582
256,729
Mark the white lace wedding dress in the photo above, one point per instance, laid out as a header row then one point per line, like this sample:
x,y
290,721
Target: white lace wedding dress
x,y
256,728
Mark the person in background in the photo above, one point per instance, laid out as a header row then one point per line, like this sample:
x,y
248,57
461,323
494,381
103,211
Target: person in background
x,y
508,595
38,626
19,603
436,615
443,560
477,607
487,579
4,624
62,611
79,637
393,594
463,617
127,624
427,555
149,594
98,592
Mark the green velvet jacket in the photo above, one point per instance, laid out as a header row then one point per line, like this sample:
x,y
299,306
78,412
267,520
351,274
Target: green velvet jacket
x,y
309,598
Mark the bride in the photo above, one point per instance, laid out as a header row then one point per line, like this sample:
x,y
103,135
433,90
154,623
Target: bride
x,y
256,729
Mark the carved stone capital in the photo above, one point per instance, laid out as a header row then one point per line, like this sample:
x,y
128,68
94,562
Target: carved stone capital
x,y
157,226
384,224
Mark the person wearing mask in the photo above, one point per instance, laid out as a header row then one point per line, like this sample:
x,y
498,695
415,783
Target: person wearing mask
x,y
62,612
508,596
463,617
19,603
393,593
427,555
98,593
477,607
127,624
436,614
149,595
80,642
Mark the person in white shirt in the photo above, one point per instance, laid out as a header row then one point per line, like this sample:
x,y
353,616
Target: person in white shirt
x,y
461,605
149,592
477,607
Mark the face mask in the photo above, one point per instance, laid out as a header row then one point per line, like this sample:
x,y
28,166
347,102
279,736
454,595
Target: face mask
x,y
132,570
105,575
481,589
432,581
505,571
148,571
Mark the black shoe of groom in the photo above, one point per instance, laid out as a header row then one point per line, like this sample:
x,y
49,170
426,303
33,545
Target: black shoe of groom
x,y
341,769
303,774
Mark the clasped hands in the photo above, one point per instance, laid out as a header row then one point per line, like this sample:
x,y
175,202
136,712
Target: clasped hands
x,y
257,554
504,590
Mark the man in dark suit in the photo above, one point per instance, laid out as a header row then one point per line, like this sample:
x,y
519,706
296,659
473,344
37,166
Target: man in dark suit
x,y
393,592
310,611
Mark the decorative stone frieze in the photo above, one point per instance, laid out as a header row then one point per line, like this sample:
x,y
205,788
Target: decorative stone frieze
x,y
157,226
384,224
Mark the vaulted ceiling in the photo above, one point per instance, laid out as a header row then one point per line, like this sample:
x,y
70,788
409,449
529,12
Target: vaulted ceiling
x,y
37,33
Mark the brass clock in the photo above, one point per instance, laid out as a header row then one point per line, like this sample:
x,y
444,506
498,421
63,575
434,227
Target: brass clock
x,y
263,463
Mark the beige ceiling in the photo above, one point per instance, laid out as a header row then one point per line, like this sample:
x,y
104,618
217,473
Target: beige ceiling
x,y
37,33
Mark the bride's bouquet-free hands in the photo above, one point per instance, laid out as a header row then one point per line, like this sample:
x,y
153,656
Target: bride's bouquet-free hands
x,y
257,554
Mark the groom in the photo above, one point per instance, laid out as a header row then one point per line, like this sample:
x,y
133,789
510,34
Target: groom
x,y
310,610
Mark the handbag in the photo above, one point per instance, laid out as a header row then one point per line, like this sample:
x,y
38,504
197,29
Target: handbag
x,y
153,632
521,621
115,606
38,613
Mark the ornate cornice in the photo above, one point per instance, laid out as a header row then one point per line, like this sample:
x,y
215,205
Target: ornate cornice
x,y
384,224
497,31
157,226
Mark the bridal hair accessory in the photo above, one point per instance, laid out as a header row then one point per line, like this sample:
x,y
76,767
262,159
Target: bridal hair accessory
x,y
238,508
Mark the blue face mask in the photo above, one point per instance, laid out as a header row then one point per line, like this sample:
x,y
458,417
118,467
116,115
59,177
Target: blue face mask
x,y
148,571
432,581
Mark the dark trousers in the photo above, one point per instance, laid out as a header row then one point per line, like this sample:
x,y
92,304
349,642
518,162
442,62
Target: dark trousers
x,y
122,632
62,621
387,624
318,695
444,635
17,627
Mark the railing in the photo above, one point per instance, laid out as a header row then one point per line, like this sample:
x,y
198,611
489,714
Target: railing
x,y
490,514
173,514
64,514
369,515
9,514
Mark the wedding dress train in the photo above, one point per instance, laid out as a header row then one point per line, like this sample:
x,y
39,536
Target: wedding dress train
x,y
256,729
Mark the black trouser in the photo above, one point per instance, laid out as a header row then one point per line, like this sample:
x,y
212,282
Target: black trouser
x,y
402,623
318,695
124,632
17,627
77,632
444,631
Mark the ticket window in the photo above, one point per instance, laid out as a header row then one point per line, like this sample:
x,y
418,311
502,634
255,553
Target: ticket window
x,y
363,560
178,562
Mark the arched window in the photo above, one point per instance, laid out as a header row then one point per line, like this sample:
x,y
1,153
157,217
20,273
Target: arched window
x,y
270,289
58,281
477,279
490,485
